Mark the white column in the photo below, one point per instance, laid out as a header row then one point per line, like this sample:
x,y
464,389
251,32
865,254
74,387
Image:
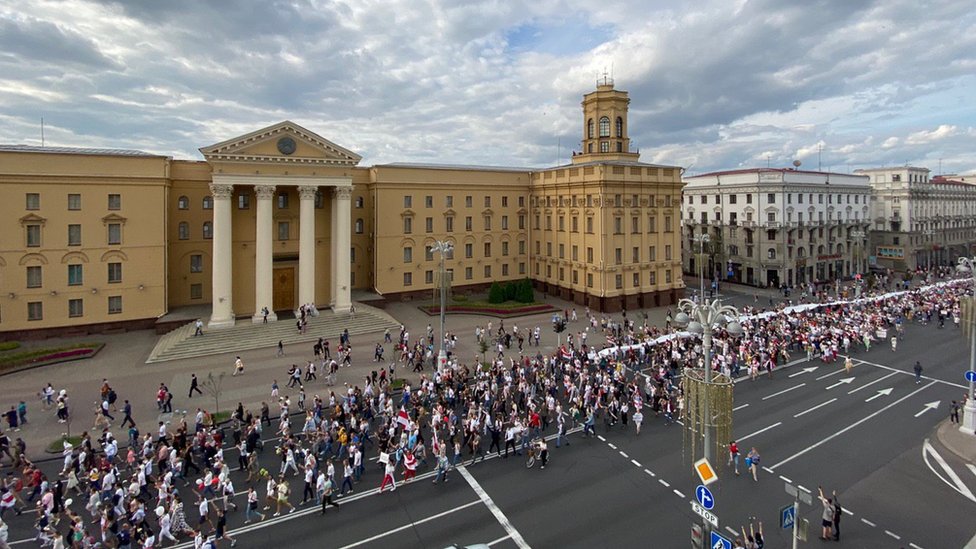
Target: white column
x,y
306,246
222,313
263,295
342,214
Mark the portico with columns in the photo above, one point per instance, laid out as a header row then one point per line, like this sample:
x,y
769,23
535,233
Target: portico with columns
x,y
258,173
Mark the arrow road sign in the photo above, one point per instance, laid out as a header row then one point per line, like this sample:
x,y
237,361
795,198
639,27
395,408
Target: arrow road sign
x,y
971,376
804,371
787,516
719,541
928,406
704,496
882,392
846,380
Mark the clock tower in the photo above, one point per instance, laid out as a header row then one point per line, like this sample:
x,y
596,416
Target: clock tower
x,y
605,125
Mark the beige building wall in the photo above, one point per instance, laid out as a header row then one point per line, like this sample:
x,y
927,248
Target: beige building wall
x,y
138,186
481,211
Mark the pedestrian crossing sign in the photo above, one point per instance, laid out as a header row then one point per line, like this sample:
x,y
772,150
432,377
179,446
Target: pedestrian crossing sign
x,y
705,471
719,541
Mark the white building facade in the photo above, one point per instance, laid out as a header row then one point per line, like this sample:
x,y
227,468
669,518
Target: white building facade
x,y
918,220
775,227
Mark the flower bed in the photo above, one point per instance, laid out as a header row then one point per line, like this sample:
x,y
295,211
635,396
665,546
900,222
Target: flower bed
x,y
43,357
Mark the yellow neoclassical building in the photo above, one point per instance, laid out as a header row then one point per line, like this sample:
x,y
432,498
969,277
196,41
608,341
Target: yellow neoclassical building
x,y
97,239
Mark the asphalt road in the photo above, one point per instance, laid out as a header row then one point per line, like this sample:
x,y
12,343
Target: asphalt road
x,y
812,426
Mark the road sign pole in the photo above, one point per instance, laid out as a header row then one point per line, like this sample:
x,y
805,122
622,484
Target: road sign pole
x,y
796,516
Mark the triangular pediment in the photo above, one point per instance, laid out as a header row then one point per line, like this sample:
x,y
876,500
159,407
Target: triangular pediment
x,y
282,143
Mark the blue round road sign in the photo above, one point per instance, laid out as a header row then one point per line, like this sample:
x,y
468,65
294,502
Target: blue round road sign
x,y
704,497
970,376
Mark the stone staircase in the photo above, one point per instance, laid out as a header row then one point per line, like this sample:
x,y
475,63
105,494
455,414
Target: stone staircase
x,y
245,335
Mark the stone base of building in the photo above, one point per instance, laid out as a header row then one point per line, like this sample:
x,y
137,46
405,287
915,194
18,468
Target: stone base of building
x,y
613,304
83,330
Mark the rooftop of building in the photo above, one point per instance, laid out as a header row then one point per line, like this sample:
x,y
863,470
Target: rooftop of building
x,y
893,168
606,163
91,151
770,170
467,167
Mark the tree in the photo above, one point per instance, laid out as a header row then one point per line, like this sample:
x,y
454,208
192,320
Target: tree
x,y
213,386
496,294
524,293
483,347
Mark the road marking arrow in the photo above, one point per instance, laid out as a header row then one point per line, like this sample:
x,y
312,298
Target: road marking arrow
x,y
846,380
884,392
928,406
804,371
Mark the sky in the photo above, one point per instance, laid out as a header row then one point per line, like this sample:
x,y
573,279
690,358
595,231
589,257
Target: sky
x,y
714,84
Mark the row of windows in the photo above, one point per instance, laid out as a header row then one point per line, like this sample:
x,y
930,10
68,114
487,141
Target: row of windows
x,y
74,201
617,201
605,127
618,253
468,201
468,273
76,277
76,308
33,233
771,217
449,224
618,279
618,224
468,251
244,201
771,198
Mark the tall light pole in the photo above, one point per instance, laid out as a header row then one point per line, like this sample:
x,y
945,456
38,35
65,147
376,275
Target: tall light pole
x,y
858,236
444,248
968,426
701,239
928,247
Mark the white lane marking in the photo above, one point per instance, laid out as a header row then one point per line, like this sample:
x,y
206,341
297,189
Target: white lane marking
x,y
825,376
879,394
846,380
612,446
499,516
783,391
649,472
737,408
768,470
892,534
679,494
971,467
784,479
763,430
787,365
803,371
731,530
410,525
847,511
915,546
499,540
808,410
664,482
601,438
879,380
928,406
853,425
868,522
897,371
805,489
624,455
954,481
635,462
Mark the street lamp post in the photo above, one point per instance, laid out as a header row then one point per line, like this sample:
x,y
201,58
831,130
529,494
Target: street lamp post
x,y
701,239
444,248
968,426
701,319
928,247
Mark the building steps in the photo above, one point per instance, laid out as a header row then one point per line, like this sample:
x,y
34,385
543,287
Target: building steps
x,y
245,335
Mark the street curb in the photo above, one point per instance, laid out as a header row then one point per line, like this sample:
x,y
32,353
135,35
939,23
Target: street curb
x,y
953,440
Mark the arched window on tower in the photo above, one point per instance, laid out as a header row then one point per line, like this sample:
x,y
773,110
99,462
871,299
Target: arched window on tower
x,y
589,129
604,126
620,127
183,203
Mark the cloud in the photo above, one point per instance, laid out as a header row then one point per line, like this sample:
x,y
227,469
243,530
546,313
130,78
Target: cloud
x,y
715,84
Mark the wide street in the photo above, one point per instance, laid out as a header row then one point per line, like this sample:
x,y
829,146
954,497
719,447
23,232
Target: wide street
x,y
869,435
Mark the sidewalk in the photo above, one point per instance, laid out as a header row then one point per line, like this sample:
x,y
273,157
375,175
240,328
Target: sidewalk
x,y
957,442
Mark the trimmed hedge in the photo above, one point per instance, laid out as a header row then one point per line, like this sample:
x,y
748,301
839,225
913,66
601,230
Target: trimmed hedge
x,y
9,345
40,357
520,290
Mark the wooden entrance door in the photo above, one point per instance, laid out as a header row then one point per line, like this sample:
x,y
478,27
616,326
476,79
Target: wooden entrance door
x,y
284,289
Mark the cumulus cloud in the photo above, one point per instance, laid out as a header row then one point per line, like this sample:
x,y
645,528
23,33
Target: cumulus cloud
x,y
713,84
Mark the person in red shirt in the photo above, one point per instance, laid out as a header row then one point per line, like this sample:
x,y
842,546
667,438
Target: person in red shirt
x,y
535,423
734,455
